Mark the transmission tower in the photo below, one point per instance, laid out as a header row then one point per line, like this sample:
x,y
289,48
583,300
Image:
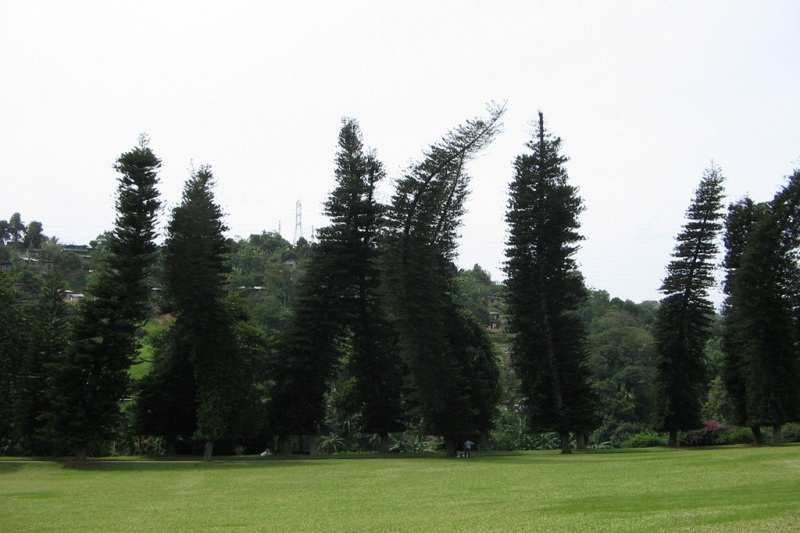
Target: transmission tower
x,y
298,220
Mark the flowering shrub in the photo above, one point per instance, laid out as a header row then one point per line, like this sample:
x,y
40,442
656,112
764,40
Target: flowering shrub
x,y
712,433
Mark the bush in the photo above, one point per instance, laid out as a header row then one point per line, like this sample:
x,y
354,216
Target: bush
x,y
712,433
790,433
644,440
413,442
736,435
511,432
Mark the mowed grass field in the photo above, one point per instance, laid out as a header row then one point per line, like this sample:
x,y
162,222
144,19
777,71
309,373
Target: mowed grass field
x,y
714,489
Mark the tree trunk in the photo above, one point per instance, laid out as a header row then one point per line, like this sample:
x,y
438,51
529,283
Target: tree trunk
x,y
172,446
450,445
564,438
80,453
313,444
580,438
758,438
776,435
208,450
285,444
672,441
383,445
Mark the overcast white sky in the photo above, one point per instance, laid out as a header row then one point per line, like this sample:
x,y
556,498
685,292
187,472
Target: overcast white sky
x,y
644,94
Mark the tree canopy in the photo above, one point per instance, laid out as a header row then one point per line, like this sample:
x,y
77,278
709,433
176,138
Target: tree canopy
x,y
546,291
683,317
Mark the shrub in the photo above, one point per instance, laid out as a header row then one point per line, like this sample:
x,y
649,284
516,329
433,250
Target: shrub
x,y
712,433
736,435
644,440
511,432
790,433
614,432
413,442
331,443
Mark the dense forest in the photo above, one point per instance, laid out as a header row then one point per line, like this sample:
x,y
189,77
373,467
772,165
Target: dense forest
x,y
369,338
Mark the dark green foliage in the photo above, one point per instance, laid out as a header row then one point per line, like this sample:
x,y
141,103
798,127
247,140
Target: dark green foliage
x,y
339,322
5,232
715,433
644,440
546,292
195,275
761,319
683,318
420,278
790,433
351,246
194,253
622,365
14,230
33,235
475,288
265,269
306,359
90,379
167,401
48,334
13,347
477,360
256,350
742,217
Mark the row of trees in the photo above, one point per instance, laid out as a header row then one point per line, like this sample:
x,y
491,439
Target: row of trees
x,y
762,309
379,329
761,368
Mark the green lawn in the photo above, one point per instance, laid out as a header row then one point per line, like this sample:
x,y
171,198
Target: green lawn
x,y
721,489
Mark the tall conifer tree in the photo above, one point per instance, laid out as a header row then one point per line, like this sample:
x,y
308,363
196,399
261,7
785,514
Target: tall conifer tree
x,y
339,317
48,334
195,276
762,320
13,340
739,223
91,378
684,315
546,291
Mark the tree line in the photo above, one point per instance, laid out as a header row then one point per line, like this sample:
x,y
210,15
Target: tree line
x,y
373,331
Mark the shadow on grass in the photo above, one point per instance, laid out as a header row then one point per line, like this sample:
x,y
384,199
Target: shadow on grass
x,y
10,467
765,498
141,465
529,457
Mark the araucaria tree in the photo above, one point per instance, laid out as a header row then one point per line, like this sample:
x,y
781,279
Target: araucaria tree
x,y
682,323
195,275
339,321
546,291
736,338
91,377
452,374
49,330
763,286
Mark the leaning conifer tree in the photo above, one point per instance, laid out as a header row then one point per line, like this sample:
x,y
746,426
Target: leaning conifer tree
x,y
546,291
452,386
91,378
683,317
